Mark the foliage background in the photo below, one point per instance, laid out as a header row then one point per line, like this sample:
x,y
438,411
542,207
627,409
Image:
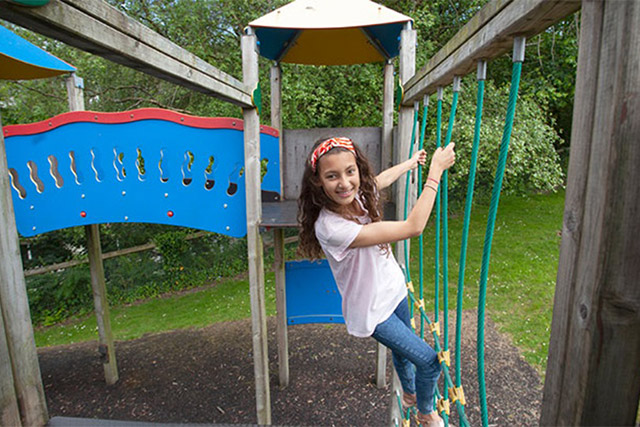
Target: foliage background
x,y
341,96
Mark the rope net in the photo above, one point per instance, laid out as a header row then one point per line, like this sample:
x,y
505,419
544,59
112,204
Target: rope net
x,y
452,394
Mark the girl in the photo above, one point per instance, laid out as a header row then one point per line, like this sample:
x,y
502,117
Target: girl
x,y
339,212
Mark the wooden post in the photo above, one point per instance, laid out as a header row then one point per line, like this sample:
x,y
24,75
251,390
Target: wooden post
x,y
594,353
386,152
278,239
395,414
254,240
407,67
9,413
386,161
106,347
15,310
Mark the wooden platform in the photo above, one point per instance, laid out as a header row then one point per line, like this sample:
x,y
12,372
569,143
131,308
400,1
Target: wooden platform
x,y
284,214
280,214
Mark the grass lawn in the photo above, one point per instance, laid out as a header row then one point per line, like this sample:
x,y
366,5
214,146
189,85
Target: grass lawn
x,y
522,271
520,292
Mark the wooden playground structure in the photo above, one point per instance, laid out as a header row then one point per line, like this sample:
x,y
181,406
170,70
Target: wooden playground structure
x,y
592,376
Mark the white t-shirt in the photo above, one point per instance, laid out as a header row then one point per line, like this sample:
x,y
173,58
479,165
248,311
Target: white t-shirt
x,y
371,282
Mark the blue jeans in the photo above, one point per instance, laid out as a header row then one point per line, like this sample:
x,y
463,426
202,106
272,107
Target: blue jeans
x,y
409,351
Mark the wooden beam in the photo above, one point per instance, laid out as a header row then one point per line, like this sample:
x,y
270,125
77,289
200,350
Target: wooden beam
x,y
98,28
386,143
108,255
278,240
15,310
9,413
254,240
489,34
406,69
106,347
386,161
592,371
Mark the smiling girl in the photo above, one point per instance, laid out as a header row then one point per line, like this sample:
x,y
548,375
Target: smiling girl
x,y
340,215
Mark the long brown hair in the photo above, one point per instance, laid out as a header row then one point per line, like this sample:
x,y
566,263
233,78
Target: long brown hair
x,y
313,198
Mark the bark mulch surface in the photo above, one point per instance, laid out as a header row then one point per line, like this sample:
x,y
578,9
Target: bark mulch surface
x,y
206,376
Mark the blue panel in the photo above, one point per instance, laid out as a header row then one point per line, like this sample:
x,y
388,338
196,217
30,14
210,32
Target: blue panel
x,y
273,41
312,294
270,151
107,185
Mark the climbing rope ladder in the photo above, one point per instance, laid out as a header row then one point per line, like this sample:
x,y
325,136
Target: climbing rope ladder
x,y
453,392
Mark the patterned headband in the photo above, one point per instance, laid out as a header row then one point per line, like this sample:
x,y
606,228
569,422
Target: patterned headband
x,y
328,145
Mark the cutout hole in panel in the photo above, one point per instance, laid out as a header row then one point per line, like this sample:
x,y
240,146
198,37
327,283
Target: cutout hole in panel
x,y
118,164
95,166
53,170
233,186
33,174
232,189
15,183
209,182
186,167
163,178
263,168
140,165
74,169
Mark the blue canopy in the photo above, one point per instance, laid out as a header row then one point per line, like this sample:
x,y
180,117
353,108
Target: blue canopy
x,y
21,60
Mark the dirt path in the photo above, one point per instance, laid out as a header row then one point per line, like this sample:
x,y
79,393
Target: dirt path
x,y
206,376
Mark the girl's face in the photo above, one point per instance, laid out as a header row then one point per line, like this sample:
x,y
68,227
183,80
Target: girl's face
x,y
339,176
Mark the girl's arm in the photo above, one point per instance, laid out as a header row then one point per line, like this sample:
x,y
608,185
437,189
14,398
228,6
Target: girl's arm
x,y
392,231
389,176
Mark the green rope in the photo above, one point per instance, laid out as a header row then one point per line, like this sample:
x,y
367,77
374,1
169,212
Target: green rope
x,y
406,194
465,229
436,308
425,109
448,382
486,253
445,241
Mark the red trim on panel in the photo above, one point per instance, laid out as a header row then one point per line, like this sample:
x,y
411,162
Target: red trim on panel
x,y
131,116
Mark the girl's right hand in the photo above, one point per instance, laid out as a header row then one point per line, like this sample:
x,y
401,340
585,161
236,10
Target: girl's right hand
x,y
444,157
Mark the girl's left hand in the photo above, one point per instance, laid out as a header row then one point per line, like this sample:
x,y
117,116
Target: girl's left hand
x,y
420,157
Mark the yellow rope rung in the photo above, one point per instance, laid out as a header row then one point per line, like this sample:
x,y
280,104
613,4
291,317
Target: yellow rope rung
x,y
406,422
419,303
435,327
413,323
445,356
457,393
410,287
443,406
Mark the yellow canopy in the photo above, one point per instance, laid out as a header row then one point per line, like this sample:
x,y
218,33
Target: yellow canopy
x,y
330,32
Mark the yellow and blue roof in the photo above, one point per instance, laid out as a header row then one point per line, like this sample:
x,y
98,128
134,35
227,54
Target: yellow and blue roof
x,y
330,32
21,60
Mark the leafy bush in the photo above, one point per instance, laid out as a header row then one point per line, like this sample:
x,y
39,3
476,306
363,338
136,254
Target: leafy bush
x,y
54,296
532,164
